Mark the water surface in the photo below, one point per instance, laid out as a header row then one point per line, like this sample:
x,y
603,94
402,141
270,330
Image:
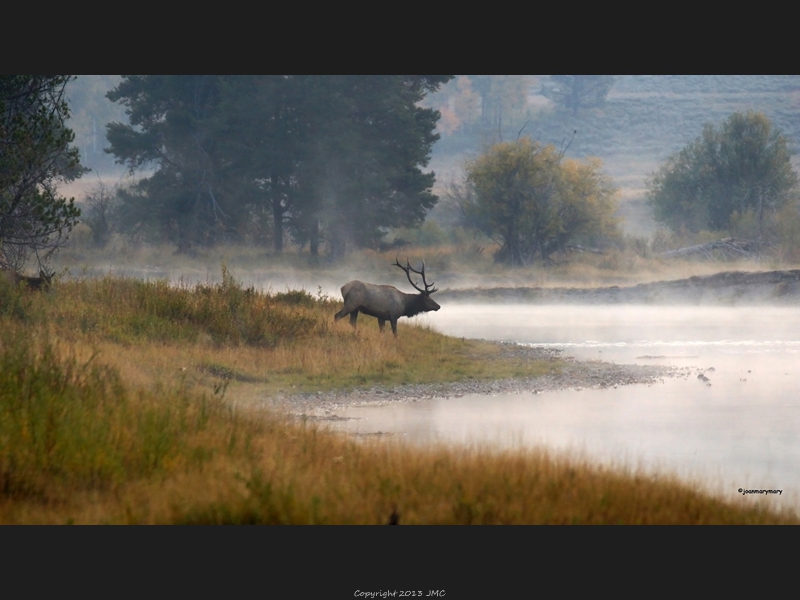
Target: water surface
x,y
736,430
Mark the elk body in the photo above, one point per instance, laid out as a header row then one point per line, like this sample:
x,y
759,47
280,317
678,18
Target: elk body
x,y
386,302
34,283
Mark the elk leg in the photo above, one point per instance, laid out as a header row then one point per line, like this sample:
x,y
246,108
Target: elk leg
x,y
339,315
394,327
381,324
353,317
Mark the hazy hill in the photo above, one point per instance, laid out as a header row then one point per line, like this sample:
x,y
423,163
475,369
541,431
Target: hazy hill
x,y
644,120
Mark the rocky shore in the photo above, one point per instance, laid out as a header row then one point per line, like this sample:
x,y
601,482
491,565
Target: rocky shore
x,y
573,375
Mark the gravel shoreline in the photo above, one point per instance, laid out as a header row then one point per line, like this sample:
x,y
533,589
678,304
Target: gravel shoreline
x,y
574,375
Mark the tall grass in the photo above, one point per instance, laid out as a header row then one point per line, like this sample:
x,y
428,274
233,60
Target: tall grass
x,y
66,424
279,342
129,310
114,408
320,478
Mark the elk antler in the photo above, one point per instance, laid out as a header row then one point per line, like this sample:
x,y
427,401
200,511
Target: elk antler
x,y
409,269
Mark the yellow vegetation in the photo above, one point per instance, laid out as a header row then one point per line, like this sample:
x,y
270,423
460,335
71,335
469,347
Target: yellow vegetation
x,y
115,408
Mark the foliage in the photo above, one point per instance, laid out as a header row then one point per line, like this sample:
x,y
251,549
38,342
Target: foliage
x,y
503,97
535,202
459,104
333,158
35,156
738,169
575,92
428,235
643,120
362,161
70,425
172,126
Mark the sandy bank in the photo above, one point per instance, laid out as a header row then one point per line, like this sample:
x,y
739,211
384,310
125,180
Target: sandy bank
x,y
574,375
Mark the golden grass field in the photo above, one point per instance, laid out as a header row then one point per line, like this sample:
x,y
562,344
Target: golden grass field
x,y
116,406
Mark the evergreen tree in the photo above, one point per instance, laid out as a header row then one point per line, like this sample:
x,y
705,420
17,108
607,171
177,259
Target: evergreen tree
x,y
172,126
330,157
35,156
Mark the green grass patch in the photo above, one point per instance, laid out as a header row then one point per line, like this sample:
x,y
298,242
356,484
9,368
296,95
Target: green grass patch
x,y
67,424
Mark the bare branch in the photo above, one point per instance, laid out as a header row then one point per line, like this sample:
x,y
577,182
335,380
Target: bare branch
x,y
522,129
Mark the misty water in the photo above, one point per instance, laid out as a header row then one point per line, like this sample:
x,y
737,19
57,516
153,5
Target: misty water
x,y
738,432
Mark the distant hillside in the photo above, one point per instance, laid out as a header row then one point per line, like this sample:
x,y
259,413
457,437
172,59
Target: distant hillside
x,y
657,115
645,119
651,115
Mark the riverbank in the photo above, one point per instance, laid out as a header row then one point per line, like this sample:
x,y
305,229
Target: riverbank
x,y
728,288
567,373
120,402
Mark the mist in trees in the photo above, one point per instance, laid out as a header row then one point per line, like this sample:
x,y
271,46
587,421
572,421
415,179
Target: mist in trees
x,y
483,107
576,92
90,111
333,159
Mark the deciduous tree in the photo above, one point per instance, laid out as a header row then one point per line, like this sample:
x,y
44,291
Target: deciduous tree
x,y
740,167
535,202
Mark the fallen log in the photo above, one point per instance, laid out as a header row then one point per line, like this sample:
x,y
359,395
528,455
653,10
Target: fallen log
x,y
582,249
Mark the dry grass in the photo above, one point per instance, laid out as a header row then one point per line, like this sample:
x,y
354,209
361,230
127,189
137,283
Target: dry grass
x,y
255,343
287,473
114,409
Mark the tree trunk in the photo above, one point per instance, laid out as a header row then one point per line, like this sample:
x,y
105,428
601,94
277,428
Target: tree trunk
x,y
338,246
314,238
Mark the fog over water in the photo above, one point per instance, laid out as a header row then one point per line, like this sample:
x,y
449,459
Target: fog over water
x,y
738,429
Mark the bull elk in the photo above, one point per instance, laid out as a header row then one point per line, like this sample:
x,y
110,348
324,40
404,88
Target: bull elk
x,y
34,283
386,302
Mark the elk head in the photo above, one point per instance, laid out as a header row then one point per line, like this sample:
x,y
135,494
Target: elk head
x,y
425,302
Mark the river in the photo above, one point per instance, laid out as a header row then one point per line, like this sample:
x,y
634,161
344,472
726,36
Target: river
x,y
738,428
